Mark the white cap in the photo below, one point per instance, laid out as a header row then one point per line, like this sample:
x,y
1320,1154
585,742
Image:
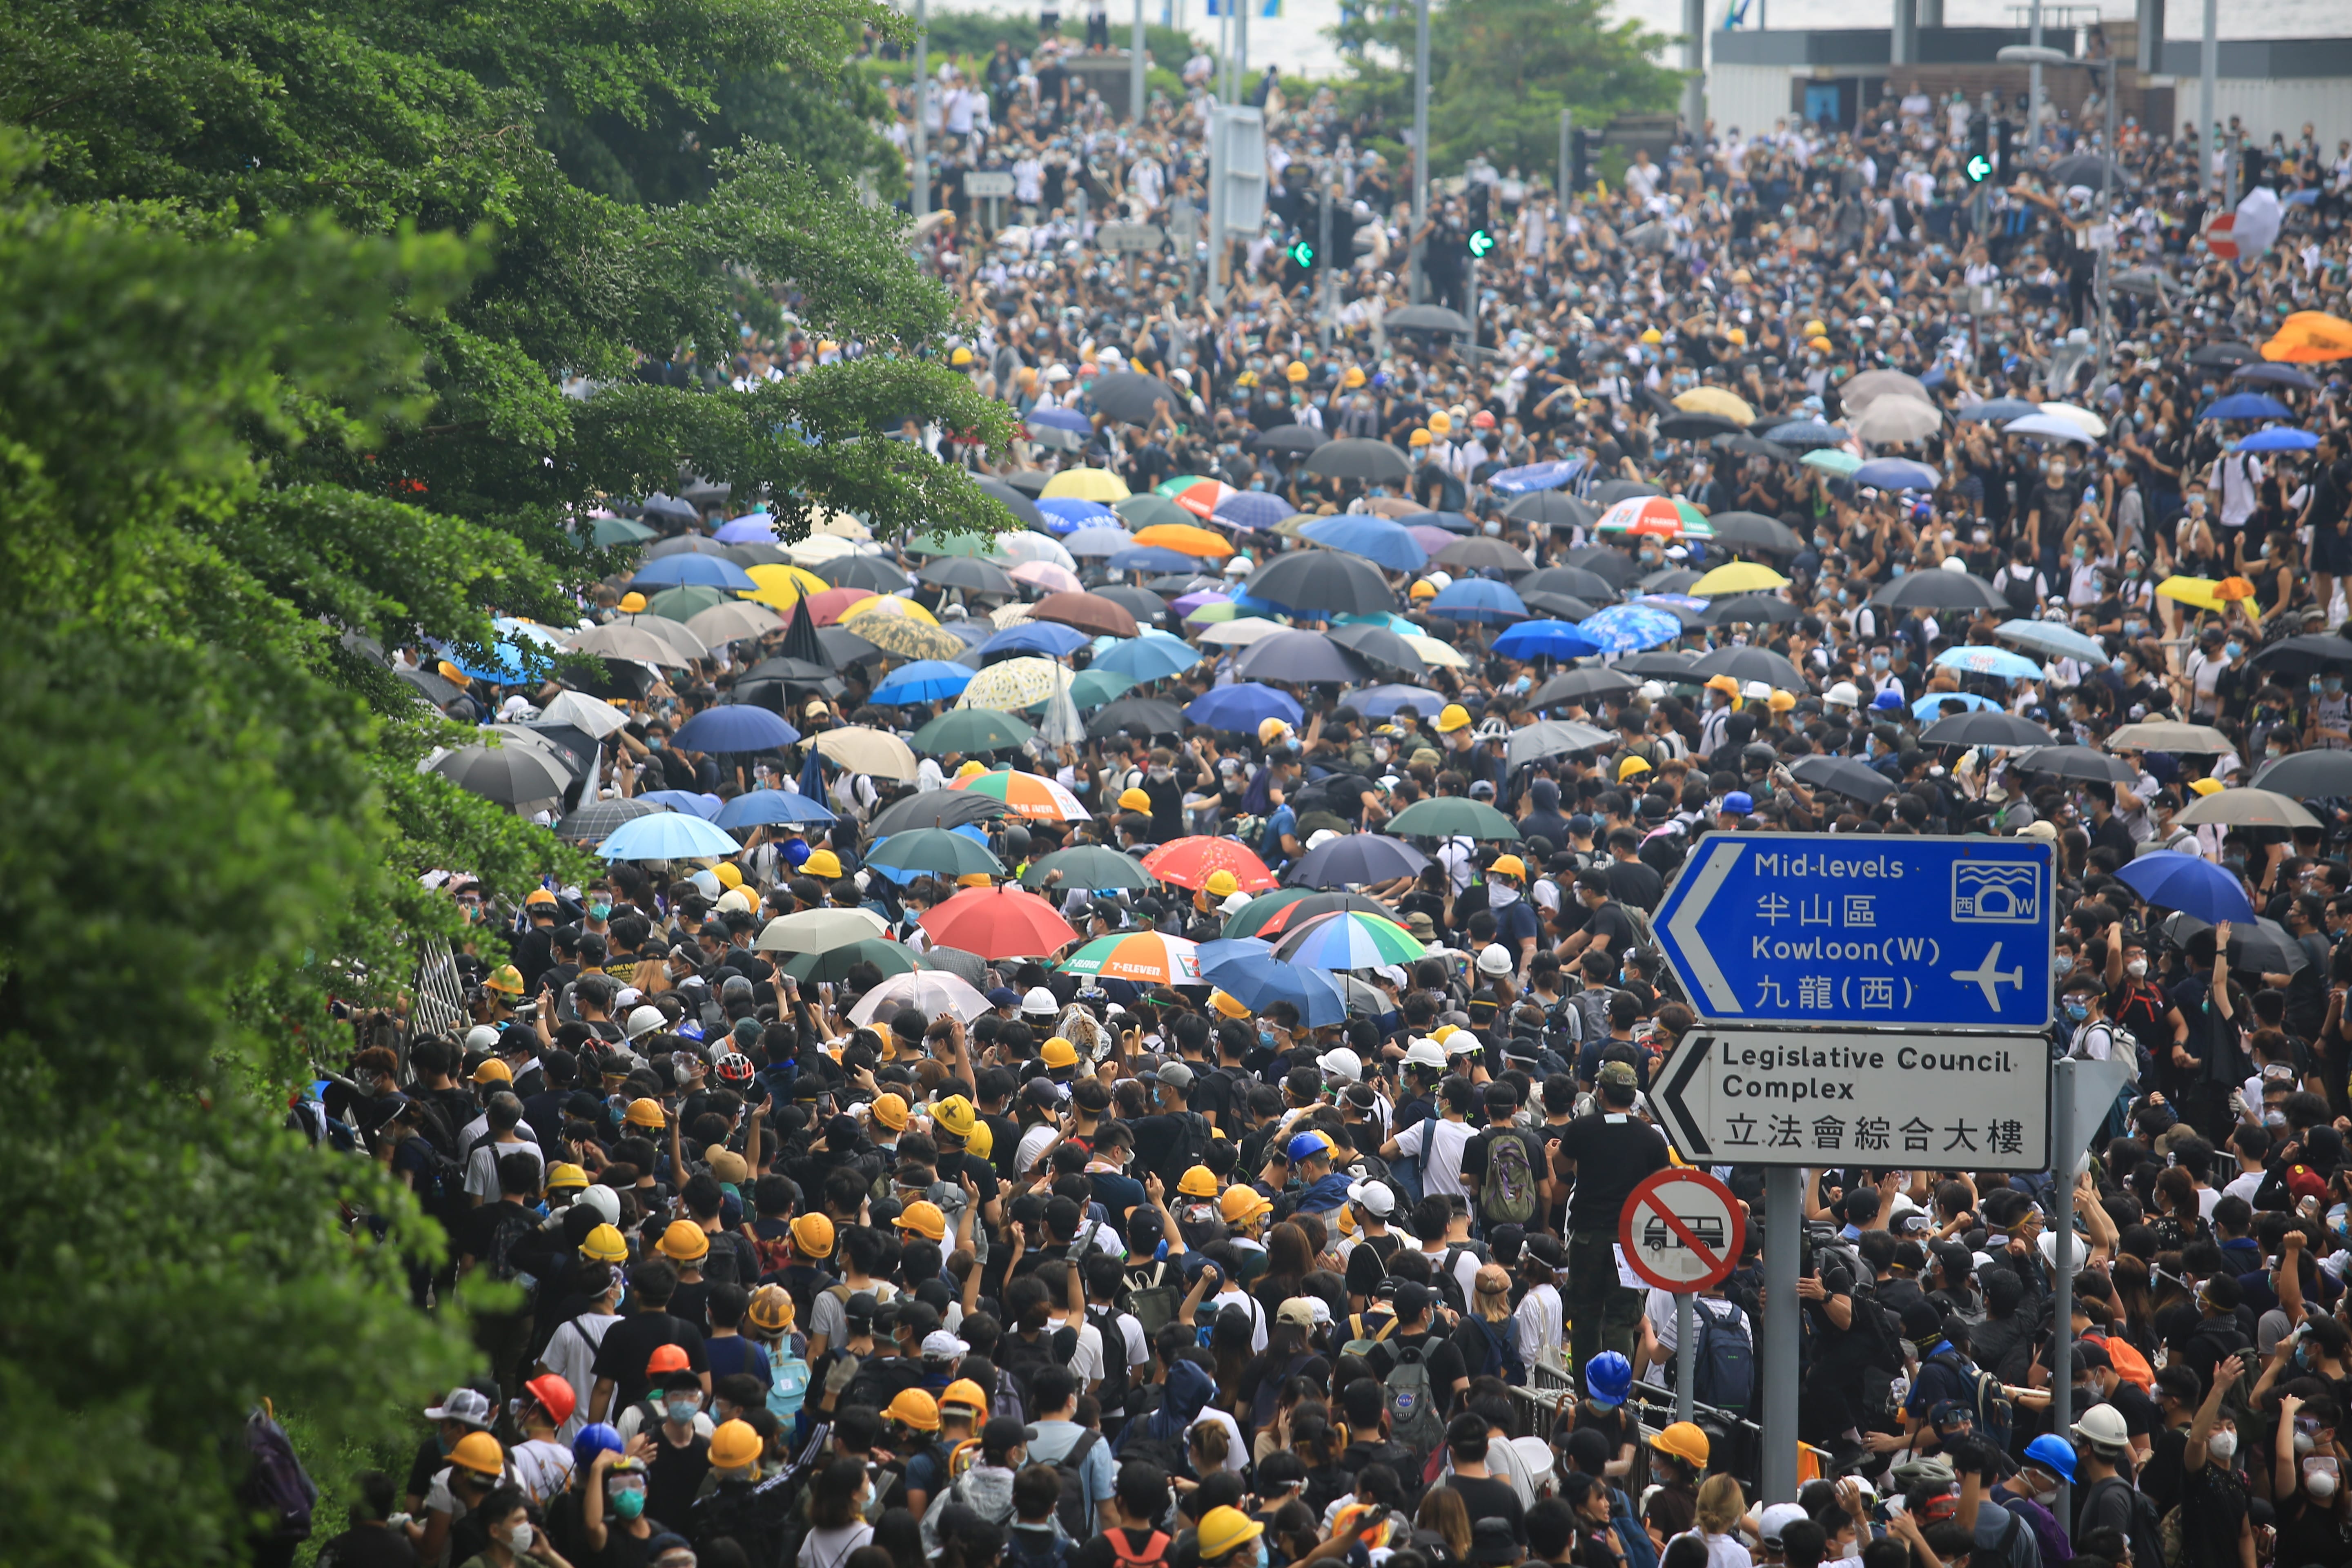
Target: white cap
x,y
943,1345
1775,1518
1040,1002
1440,580
626,996
644,1021
481,1037
1842,694
1953,563
1237,567
1341,1063
1374,1195
1492,959
1426,1053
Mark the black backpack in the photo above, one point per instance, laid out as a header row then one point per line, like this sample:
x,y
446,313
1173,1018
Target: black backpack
x,y
1991,1409
1112,1395
1725,1372
2146,1530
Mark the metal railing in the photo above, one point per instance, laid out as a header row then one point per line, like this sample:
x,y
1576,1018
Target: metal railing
x,y
1735,1442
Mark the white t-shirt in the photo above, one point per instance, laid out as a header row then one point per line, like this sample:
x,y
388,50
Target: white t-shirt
x,y
1539,1318
1085,1360
541,1467
1466,1267
1033,1146
1233,1296
1438,1144
831,1547
482,1167
570,1354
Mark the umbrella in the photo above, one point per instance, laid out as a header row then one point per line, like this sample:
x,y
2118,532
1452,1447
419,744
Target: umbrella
x,y
972,575
598,719
1425,319
1584,686
1320,580
1356,859
1609,492
2246,406
1554,738
934,808
2207,594
1748,610
1091,867
1749,664
1145,716
696,570
1832,460
1148,510
1383,702
609,532
1089,612
998,922
738,622
2260,947
2000,410
1553,509
1021,506
1476,599
1066,515
1806,433
1349,938
1697,427
1665,664
1199,497
1155,656
1031,548
1897,474
1085,484
2247,807
1031,796
2050,427
1434,651
832,966
1015,684
1148,558
966,542
2056,641
2268,375
632,641
1660,517
929,992
1065,428
1232,633
507,774
1451,816
2309,337
768,806
2075,762
2279,439
435,688
1543,639
706,807
941,851
1739,577
1268,915
1145,957
1751,530
1296,655
1146,607
1046,577
1860,392
2089,169
1241,707
972,730
1478,554
1934,704
869,751
1047,638
744,529
1843,776
1381,646
1291,439
1752,446
734,727
1582,581
816,931
689,544
1099,539
1939,591
670,509
1189,863
1987,727
1256,508
1535,478
595,821
2313,775
668,836
1717,400
922,680
1623,628
2163,735
1185,539
1376,539
1450,522
1976,659
826,608
1257,980
905,639
1132,398
1356,457
2189,883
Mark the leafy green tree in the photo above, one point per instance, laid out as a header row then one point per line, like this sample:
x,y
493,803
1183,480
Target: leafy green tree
x,y
1500,72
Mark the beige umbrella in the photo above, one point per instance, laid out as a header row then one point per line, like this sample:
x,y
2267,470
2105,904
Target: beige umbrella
x,y
583,714
1008,615
633,641
733,621
1432,651
1015,684
869,751
682,642
819,548
1891,421
1241,633
905,638
839,525
2166,735
2247,808
1859,392
820,931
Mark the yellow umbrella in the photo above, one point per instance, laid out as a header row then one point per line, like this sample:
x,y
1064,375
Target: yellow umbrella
x,y
839,525
1186,539
783,586
1013,684
871,751
888,605
1739,577
1432,651
1085,484
2206,593
1716,400
903,636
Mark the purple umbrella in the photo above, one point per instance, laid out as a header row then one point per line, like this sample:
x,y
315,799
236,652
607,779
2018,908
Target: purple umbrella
x,y
752,528
1191,601
1430,539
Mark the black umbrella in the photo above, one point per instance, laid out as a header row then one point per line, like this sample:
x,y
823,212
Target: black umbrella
x,y
2306,654
1478,552
669,508
1292,438
1754,531
1030,482
1749,664
1938,590
1558,606
2224,355
1582,581
1985,727
843,648
938,809
758,553
1019,505
801,639
2307,775
1355,860
1382,647
1671,580
1556,507
437,689
1844,776
1586,684
1148,607
685,545
2263,948
1145,716
578,746
865,572
1615,490
596,821
1175,584
2076,763
1554,738
507,774
1606,562
1356,457
1748,445
1451,522
2089,169
1661,664
1425,319
1296,655
2271,375
968,967
968,573
1132,398
1686,426
1327,580
708,493
786,670
1748,610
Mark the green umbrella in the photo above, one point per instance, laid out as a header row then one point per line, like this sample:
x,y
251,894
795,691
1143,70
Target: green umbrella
x,y
609,532
1089,865
1252,916
1139,512
681,605
938,850
1832,460
1214,612
972,730
1093,688
835,964
973,544
1451,816
1179,485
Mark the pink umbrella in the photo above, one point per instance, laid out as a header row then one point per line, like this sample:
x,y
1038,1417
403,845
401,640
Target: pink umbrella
x,y
1047,576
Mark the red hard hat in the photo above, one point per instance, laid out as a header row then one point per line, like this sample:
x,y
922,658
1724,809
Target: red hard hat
x,y
554,1395
667,1358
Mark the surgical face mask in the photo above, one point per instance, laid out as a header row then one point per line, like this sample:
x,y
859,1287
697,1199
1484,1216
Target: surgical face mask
x,y
2078,1010
1878,661
682,1410
2320,1484
598,911
2061,966
2137,968
2232,650
2223,1446
1493,530
521,1537
2132,628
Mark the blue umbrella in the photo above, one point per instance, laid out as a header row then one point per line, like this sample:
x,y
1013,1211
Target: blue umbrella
x,y
2247,405
1150,558
2000,410
1451,522
1932,705
505,669
903,876
1545,639
923,680
1477,599
1243,707
694,572
1626,628
812,774
2189,883
2050,637
1068,420
705,806
1897,474
1148,658
1376,539
752,528
1805,432
668,836
2279,439
1252,509
1535,477
764,807
1064,514
734,727
1383,702
1977,659
1051,639
1258,980
1099,539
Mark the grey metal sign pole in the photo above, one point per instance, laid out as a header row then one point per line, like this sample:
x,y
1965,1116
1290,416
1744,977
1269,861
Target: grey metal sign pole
x,y
2209,68
920,202
1420,142
1784,1219
1685,1355
2063,1146
1135,70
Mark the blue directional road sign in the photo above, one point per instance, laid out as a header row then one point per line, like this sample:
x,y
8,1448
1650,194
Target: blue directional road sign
x,y
1863,932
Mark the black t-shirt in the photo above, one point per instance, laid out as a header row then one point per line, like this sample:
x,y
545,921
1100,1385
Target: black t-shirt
x,y
1368,1262
368,1546
1631,882
1614,1149
1486,1498
481,1226
1479,1151
1213,1094
1611,931
675,1474
631,1342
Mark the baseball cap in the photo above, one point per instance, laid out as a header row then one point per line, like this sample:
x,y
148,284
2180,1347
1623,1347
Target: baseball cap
x,y
1619,1074
1375,1198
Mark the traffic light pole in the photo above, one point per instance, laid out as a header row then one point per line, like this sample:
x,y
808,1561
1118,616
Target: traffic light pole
x,y
1323,255
1564,187
1420,147
919,199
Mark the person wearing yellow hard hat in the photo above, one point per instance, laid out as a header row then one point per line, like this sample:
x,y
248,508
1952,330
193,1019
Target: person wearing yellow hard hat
x,y
1652,337
972,769
632,603
1226,1535
1270,731
1135,800
1352,377
1296,371
1419,437
1441,423
1451,718
1422,590
1220,885
821,864
1632,768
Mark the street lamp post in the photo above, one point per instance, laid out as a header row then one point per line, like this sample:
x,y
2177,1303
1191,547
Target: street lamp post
x,y
2036,56
1419,145
919,202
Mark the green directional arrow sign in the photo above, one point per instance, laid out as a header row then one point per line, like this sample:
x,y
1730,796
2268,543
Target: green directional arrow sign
x,y
1481,242
1302,253
1979,169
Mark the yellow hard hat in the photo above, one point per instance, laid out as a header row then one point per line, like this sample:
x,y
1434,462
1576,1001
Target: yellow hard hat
x,y
1241,1205
955,1116
1781,701
1060,1053
493,1070
1222,885
2206,786
1629,767
1821,344
735,1445
604,1245
1232,1006
480,1452
912,1407
1226,1529
1199,1181
772,1308
1652,335
1727,685
1423,589
632,603
822,863
1686,1441
644,1113
1508,866
890,1110
505,978
982,1143
1737,335
1814,329
1440,422
1453,717
924,1218
684,1242
1418,438
1296,369
972,769
728,877
1134,800
1247,378
962,1397
961,356
975,879
813,1233
1269,729
538,895
1353,377
563,1177
451,673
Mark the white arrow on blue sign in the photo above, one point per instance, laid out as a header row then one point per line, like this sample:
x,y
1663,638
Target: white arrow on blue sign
x,y
1846,930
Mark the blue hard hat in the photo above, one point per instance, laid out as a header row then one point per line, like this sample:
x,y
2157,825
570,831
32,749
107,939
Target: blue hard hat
x,y
596,1437
2053,1453
1738,803
1307,1146
1888,698
1608,1378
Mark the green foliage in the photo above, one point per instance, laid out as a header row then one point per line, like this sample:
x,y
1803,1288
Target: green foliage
x,y
1500,72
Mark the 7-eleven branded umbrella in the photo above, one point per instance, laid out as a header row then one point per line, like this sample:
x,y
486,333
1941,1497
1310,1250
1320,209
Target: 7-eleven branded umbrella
x,y
998,922
1191,862
1144,956
1349,938
1202,497
1662,516
1028,795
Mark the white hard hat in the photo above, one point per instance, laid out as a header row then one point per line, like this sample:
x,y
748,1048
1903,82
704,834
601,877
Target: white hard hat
x,y
1426,1053
1842,694
1440,580
603,1200
1756,691
1493,960
644,1021
1233,904
1954,563
1319,838
481,1037
1341,1063
1040,1002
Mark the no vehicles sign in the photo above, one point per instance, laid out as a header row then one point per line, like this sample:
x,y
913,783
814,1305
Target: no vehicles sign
x,y
1682,1230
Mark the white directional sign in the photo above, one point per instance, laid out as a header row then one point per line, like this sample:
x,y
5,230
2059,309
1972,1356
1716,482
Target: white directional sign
x,y
1130,236
981,184
1775,1097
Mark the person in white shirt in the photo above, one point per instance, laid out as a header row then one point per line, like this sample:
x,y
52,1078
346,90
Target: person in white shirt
x,y
1541,1315
1438,1142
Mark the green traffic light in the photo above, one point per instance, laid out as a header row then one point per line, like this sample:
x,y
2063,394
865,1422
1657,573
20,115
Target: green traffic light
x,y
1481,242
1979,168
1302,253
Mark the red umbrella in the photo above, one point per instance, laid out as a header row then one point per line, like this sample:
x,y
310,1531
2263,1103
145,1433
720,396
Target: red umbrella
x,y
1088,613
1191,862
998,922
826,608
1203,497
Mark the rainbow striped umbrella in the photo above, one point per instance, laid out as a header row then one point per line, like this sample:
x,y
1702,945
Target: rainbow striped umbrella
x,y
1662,516
1031,796
1349,939
1144,956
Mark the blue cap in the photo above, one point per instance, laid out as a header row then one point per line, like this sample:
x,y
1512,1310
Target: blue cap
x,y
1887,698
1005,996
1738,804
